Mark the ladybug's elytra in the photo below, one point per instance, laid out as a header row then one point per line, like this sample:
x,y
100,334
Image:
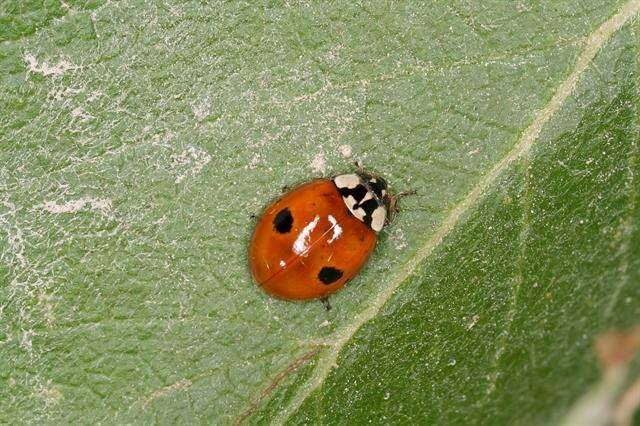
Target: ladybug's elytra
x,y
316,237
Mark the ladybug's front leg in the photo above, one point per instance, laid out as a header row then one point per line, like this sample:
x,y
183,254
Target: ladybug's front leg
x,y
325,302
393,203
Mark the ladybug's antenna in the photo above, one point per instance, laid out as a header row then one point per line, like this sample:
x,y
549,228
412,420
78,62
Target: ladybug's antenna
x,y
359,167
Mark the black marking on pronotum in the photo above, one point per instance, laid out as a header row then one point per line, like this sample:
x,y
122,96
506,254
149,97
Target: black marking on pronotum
x,y
358,193
283,221
369,207
378,186
329,275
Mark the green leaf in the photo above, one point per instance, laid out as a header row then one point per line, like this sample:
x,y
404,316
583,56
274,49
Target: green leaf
x,y
138,138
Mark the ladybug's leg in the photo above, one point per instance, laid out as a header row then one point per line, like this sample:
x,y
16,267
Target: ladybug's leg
x,y
393,203
325,303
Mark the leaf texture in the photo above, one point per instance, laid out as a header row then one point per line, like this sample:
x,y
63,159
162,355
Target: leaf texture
x,y
138,138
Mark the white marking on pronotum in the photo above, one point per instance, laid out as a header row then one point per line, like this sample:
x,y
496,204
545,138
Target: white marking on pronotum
x,y
337,229
347,181
359,213
283,263
377,218
301,244
368,196
350,202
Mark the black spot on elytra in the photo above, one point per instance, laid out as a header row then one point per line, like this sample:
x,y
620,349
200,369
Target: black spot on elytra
x,y
283,221
329,275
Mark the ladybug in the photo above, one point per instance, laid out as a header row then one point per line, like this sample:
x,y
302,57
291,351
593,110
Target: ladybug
x,y
317,236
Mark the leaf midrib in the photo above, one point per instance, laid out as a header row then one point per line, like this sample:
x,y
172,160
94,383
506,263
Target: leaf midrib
x,y
592,46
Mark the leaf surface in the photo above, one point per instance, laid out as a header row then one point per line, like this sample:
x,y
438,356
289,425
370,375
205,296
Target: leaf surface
x,y
138,138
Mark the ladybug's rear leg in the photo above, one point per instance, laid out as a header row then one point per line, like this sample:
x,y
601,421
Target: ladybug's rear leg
x,y
325,302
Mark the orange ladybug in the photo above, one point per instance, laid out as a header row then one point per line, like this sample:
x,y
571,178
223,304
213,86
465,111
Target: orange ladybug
x,y
316,237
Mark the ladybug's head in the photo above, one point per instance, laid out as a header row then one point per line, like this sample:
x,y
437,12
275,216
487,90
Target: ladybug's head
x,y
366,197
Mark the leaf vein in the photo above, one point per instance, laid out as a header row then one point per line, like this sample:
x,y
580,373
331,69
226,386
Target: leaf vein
x,y
592,46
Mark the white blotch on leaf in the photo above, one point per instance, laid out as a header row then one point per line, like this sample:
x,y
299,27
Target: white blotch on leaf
x,y
201,108
192,160
301,244
94,95
345,150
253,163
25,341
48,393
269,138
79,113
332,55
397,236
45,68
61,94
45,303
474,152
8,224
319,163
102,204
